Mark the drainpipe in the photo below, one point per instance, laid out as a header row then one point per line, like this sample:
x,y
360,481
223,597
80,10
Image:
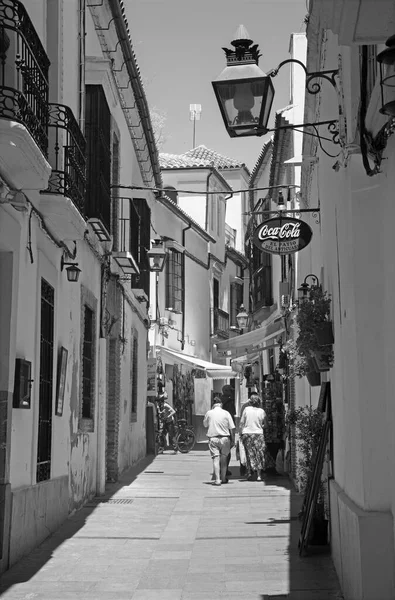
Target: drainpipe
x,y
207,196
102,392
183,291
81,55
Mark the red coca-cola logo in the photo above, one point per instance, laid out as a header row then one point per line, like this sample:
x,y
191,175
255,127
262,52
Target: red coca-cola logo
x,y
282,235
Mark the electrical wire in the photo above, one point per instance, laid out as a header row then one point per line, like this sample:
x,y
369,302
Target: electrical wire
x,y
164,190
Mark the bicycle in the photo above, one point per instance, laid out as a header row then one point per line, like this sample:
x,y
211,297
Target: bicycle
x,y
184,437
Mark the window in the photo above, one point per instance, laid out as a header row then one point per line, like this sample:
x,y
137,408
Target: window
x,y
87,364
133,375
140,224
115,191
46,382
215,293
171,193
262,278
218,216
236,299
98,138
174,281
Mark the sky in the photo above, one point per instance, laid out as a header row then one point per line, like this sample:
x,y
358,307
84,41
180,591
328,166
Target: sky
x,y
178,45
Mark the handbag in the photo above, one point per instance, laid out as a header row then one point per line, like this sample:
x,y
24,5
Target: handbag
x,y
242,453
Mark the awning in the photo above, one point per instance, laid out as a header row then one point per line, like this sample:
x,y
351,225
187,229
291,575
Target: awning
x,y
257,339
213,370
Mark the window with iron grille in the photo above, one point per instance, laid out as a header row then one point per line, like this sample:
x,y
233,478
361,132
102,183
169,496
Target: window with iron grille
x,y
87,364
140,227
174,281
115,191
46,382
236,299
98,138
134,375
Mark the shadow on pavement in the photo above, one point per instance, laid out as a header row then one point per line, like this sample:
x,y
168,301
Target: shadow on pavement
x,y
30,564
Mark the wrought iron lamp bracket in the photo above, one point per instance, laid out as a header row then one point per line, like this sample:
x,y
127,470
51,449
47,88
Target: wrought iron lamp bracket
x,y
315,88
296,213
312,87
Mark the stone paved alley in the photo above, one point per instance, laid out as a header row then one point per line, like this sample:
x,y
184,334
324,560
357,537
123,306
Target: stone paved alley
x,y
168,534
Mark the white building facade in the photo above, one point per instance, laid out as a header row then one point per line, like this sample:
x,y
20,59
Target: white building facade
x,y
353,186
75,286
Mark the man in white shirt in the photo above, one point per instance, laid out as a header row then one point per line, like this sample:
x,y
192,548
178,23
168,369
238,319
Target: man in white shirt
x,y
221,438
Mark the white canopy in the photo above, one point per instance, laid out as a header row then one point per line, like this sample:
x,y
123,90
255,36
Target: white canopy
x,y
213,370
252,340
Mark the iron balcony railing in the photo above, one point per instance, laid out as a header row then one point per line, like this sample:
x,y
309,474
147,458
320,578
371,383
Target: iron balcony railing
x,y
221,323
67,156
23,72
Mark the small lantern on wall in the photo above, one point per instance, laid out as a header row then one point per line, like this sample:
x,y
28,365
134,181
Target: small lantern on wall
x,y
387,77
305,289
157,256
72,270
242,317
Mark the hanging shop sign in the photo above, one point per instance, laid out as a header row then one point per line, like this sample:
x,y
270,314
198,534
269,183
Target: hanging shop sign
x,y
282,235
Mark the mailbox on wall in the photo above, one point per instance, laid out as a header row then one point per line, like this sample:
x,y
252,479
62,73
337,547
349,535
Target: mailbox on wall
x,y
22,383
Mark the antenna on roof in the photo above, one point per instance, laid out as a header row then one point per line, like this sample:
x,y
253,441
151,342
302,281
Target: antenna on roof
x,y
195,110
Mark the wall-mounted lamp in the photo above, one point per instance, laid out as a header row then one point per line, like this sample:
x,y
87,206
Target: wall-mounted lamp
x,y
245,93
242,317
387,77
157,256
73,272
305,289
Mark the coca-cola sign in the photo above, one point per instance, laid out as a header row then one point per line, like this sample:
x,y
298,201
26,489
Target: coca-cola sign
x,y
282,235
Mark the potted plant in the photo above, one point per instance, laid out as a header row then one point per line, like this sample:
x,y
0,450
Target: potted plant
x,y
313,375
315,327
308,426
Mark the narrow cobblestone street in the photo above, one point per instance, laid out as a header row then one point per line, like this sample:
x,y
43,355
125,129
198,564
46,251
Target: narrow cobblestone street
x,y
165,533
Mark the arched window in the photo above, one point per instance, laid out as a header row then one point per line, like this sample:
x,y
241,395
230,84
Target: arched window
x,y
172,193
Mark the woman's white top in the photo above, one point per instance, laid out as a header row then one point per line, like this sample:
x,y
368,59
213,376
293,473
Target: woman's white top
x,y
252,420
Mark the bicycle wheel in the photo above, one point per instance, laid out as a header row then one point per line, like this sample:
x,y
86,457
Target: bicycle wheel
x,y
159,443
185,441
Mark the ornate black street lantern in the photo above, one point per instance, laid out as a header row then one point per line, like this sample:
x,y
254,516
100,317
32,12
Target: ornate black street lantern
x,y
244,92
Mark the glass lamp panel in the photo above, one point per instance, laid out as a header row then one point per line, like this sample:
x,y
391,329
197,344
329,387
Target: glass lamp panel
x,y
266,107
241,102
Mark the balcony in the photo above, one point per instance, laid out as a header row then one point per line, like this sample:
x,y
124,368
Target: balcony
x,y
63,202
221,323
23,99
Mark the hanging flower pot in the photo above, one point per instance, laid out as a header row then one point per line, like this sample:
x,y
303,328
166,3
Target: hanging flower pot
x,y
313,378
322,360
324,333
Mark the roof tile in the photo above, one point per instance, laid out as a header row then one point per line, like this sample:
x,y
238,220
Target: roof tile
x,y
198,157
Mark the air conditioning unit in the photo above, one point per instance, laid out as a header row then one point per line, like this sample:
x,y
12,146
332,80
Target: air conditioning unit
x,y
164,321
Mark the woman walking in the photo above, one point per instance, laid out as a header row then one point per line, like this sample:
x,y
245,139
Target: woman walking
x,y
252,423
